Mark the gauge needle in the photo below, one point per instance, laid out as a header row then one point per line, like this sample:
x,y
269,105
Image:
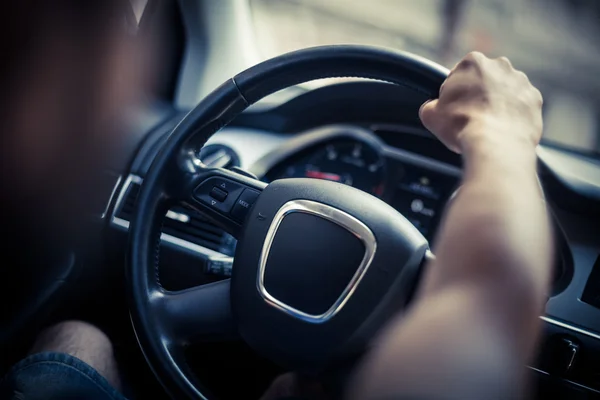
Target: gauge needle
x,y
323,175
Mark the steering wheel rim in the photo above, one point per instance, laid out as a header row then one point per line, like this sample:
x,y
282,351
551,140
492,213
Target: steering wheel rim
x,y
177,175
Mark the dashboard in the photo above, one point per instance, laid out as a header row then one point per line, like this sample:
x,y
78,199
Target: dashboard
x,y
365,135
417,187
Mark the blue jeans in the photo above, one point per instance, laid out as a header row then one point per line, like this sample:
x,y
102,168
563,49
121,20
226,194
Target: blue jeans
x,y
58,376
54,376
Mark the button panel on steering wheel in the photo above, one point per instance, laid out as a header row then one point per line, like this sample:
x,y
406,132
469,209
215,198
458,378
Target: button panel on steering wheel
x,y
230,198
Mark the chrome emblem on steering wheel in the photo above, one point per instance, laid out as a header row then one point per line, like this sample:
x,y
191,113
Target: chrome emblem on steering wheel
x,y
341,218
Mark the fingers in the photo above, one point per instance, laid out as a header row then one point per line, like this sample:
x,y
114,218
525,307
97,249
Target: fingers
x,y
427,114
473,60
479,90
538,96
505,62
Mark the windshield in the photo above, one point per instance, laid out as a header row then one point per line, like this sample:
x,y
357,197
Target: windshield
x,y
556,42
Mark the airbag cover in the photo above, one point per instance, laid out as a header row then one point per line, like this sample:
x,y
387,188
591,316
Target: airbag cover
x,y
312,276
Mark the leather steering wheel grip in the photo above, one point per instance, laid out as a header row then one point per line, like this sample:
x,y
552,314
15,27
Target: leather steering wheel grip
x,y
339,61
163,354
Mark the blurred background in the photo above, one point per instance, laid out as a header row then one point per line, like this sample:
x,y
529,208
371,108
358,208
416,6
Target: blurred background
x,y
556,42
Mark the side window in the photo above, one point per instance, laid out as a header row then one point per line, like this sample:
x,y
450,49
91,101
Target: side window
x,y
570,120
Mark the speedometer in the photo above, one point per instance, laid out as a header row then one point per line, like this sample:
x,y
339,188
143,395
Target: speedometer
x,y
350,162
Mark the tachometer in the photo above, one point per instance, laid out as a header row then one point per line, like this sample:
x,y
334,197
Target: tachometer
x,y
349,162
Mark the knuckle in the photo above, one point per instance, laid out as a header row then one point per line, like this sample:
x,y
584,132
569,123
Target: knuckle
x,y
425,110
444,84
537,95
471,59
427,113
475,56
504,61
522,75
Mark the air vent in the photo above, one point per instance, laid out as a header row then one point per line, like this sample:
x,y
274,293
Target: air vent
x,y
183,223
129,201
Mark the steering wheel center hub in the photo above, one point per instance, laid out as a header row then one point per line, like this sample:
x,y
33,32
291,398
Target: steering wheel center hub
x,y
311,280
314,278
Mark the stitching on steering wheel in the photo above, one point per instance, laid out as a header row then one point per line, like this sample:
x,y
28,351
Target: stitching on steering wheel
x,y
157,255
402,83
399,82
206,131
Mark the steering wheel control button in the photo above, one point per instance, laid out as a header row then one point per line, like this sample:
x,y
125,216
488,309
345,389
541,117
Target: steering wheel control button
x,y
243,204
220,266
218,194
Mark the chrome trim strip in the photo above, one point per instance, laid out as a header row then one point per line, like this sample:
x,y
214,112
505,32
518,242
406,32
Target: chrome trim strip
x,y
336,216
429,256
570,327
123,223
112,195
178,216
580,385
184,244
541,371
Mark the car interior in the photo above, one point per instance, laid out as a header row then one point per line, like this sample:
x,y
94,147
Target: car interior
x,y
212,167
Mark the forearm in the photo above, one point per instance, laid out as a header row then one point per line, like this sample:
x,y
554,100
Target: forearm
x,y
446,347
474,322
495,234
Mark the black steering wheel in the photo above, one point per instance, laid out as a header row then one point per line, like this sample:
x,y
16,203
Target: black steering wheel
x,y
319,266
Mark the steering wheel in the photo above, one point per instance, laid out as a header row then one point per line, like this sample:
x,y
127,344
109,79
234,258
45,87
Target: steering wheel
x,y
319,266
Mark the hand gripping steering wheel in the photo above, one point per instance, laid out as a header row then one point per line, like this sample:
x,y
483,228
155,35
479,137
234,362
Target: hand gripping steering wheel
x,y
319,266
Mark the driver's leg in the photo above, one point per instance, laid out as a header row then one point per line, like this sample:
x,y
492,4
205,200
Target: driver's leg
x,y
84,341
72,359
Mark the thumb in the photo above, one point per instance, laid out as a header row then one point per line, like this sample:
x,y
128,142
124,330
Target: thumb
x,y
432,120
427,114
